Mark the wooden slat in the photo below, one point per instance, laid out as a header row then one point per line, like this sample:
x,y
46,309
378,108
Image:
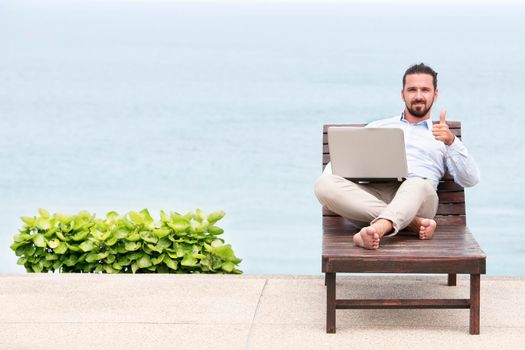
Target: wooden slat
x,y
326,158
452,124
440,219
402,303
451,250
443,209
456,132
449,186
451,197
451,220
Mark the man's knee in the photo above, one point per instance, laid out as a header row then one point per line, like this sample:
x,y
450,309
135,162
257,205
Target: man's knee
x,y
428,195
325,188
421,185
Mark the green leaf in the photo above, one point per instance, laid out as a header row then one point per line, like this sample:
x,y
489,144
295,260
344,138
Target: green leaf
x,y
136,218
199,227
161,232
215,216
155,248
92,257
144,262
23,238
133,237
228,266
214,230
112,241
148,237
86,246
57,264
109,269
157,260
38,267
163,216
39,241
179,226
80,236
63,218
43,224
123,261
164,243
53,243
217,243
73,247
134,255
43,213
134,267
27,250
145,214
172,264
61,248
30,221
121,232
200,215
189,261
225,252
84,214
60,235
112,215
132,246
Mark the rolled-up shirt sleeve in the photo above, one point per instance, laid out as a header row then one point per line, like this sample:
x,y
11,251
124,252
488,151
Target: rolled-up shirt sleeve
x,y
461,165
328,169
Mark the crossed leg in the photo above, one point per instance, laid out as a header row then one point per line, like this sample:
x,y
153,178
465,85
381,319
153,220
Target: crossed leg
x,y
423,227
408,206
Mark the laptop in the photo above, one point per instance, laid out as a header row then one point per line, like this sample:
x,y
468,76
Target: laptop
x,y
368,154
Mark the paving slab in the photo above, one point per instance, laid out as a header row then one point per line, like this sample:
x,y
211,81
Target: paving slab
x,y
88,311
140,298
380,337
130,336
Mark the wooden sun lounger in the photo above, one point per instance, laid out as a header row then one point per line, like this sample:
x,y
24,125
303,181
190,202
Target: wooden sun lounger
x,y
452,250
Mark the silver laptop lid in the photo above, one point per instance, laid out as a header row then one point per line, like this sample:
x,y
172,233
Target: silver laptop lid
x,y
368,154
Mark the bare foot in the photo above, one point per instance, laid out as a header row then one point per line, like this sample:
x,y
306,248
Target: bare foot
x,y
423,227
367,238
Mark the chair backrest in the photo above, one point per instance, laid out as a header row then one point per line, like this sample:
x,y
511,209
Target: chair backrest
x,y
451,209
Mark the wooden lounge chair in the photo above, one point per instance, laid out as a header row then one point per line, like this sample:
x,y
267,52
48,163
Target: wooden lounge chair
x,y
452,250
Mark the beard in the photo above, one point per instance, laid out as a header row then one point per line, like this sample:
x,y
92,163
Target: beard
x,y
419,113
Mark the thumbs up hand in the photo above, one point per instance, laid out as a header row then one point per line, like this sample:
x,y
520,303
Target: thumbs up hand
x,y
441,131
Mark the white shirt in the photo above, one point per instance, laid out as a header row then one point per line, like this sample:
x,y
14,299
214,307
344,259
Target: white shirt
x,y
428,157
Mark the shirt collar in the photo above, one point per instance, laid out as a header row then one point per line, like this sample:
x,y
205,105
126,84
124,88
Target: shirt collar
x,y
427,122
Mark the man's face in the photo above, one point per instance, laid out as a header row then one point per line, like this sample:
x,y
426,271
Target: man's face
x,y
419,94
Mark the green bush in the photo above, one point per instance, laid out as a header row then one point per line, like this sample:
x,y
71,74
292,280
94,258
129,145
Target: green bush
x,y
132,243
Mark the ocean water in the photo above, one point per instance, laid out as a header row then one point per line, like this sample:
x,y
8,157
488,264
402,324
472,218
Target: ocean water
x,y
124,105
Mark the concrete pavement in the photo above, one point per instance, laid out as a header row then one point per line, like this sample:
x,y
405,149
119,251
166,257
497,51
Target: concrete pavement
x,y
88,311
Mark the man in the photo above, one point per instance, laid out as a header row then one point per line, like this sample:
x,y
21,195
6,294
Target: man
x,y
386,208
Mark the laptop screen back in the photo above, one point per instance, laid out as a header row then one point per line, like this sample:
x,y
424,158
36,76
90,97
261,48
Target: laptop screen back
x,y
368,154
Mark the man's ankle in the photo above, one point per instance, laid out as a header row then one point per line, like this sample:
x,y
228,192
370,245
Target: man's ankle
x,y
383,226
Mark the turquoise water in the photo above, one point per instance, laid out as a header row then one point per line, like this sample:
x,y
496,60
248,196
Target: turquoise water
x,y
121,105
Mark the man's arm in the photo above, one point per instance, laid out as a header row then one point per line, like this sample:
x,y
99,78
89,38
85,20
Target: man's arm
x,y
459,163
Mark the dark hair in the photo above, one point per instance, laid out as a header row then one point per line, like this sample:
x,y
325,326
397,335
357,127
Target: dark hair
x,y
421,69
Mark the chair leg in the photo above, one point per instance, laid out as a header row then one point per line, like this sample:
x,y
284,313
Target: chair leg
x,y
474,303
451,279
330,302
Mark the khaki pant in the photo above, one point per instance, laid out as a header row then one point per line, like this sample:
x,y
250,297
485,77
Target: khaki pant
x,y
364,204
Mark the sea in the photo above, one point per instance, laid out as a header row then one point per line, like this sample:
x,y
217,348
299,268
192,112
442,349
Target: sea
x,y
176,105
